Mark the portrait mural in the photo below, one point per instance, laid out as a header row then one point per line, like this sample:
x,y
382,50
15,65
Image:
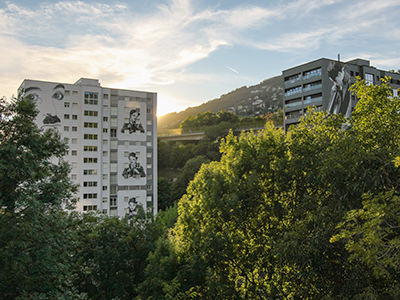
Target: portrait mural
x,y
57,92
134,124
340,100
134,168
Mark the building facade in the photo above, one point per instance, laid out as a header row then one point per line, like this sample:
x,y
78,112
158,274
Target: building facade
x,y
324,83
112,139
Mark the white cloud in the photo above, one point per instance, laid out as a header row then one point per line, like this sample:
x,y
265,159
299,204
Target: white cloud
x,y
65,40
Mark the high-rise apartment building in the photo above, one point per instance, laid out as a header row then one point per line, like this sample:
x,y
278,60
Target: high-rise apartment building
x,y
325,83
112,139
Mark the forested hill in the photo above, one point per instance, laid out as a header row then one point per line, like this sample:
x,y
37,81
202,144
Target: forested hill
x,y
267,96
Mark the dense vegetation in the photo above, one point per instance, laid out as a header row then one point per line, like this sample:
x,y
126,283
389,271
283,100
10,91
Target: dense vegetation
x,y
178,162
313,214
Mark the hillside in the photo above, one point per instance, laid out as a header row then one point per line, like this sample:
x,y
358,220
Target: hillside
x,y
267,96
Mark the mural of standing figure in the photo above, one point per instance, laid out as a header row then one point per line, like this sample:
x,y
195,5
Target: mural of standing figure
x,y
134,168
134,122
339,101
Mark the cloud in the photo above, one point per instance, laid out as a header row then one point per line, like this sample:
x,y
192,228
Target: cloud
x,y
233,70
65,40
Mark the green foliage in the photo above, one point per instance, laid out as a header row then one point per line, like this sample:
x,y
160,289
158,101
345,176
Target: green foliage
x,y
111,255
260,221
35,238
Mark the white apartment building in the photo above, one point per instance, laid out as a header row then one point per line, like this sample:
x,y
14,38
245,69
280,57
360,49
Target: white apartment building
x,y
112,139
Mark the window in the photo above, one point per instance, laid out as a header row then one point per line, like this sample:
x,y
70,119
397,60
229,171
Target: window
x,y
90,148
90,125
90,160
292,78
89,172
149,166
105,153
149,144
91,98
74,153
149,154
105,119
105,142
105,176
312,73
312,85
89,207
90,196
73,176
74,92
74,105
148,110
74,128
105,130
66,140
88,136
149,133
90,113
66,116
104,188
105,200
66,104
74,117
66,92
74,164
113,132
113,201
74,141
292,91
369,78
149,122
66,128
114,111
104,211
90,183
105,96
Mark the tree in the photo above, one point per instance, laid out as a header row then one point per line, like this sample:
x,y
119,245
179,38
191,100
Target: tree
x,y
259,222
111,255
35,237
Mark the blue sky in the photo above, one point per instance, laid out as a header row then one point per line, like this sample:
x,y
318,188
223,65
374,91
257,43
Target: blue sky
x,y
188,51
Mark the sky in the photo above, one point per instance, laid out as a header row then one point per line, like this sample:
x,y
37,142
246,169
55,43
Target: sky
x,y
188,51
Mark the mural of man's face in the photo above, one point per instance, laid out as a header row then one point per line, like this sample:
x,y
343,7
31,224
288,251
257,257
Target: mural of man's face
x,y
134,116
132,158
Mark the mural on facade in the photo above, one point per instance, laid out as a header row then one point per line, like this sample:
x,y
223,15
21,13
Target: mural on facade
x,y
132,207
134,123
134,168
339,101
58,93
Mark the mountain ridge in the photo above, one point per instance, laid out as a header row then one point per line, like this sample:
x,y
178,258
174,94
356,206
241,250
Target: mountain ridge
x,y
258,99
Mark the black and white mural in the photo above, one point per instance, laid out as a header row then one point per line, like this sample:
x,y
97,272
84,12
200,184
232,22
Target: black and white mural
x,y
134,124
132,207
134,168
50,117
340,100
